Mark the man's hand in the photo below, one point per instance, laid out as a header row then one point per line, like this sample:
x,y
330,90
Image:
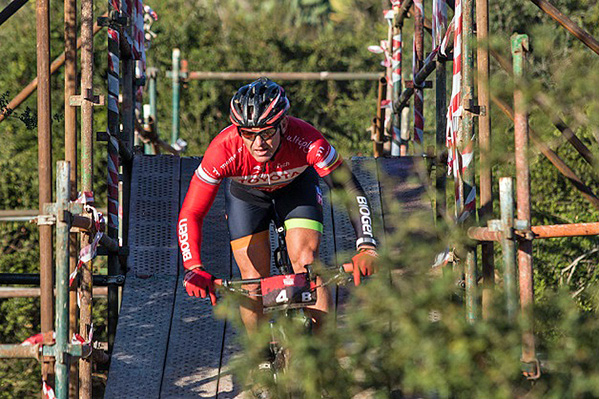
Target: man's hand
x,y
198,282
364,263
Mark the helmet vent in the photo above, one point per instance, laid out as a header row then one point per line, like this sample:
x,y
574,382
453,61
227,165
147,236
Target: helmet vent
x,y
259,104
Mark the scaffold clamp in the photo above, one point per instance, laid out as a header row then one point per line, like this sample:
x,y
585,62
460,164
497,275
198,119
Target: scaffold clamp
x,y
428,84
114,20
45,220
181,75
77,101
523,231
80,350
54,214
471,106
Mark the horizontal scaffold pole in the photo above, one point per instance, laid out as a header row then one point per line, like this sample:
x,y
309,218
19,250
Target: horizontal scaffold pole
x,y
33,292
285,75
16,351
548,231
34,279
25,215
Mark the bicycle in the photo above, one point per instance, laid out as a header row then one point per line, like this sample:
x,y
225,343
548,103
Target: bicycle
x,y
286,295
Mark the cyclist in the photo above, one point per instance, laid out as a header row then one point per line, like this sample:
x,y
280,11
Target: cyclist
x,y
272,162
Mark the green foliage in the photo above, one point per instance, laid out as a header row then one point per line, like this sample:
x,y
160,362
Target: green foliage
x,y
235,37
21,316
388,341
559,69
404,333
20,378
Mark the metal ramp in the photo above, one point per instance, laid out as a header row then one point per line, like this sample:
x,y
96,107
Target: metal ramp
x,y
154,354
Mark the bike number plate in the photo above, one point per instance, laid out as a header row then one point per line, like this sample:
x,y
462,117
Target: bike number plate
x,y
288,291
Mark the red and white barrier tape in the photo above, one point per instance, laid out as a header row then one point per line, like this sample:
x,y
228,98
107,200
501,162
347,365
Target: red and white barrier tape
x,y
78,339
36,339
139,52
459,161
48,391
86,197
396,60
448,33
439,21
88,252
418,100
455,104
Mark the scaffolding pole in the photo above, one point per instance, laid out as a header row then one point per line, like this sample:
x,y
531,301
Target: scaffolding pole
x,y
87,134
520,46
484,142
466,144
70,128
44,126
398,147
508,245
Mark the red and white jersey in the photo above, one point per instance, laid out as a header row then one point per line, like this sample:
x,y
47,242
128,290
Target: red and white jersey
x,y
302,146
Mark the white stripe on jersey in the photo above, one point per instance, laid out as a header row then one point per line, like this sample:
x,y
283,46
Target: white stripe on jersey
x,y
331,156
205,177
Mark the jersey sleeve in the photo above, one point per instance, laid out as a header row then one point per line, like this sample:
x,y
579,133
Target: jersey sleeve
x,y
356,202
198,201
322,156
209,171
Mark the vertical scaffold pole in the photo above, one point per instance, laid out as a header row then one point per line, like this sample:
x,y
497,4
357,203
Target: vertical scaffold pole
x,y
396,143
508,245
113,123
62,280
128,100
440,16
520,47
484,140
70,128
128,139
176,79
87,161
418,62
388,113
152,74
44,127
377,145
466,144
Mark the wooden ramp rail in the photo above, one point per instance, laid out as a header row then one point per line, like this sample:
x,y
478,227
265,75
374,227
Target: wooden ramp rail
x,y
154,355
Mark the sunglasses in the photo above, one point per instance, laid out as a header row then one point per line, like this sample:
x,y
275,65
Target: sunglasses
x,y
264,134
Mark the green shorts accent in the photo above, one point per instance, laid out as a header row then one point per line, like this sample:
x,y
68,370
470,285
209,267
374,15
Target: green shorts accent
x,y
304,223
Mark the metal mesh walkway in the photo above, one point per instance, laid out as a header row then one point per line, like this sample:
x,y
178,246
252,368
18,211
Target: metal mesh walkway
x,y
155,355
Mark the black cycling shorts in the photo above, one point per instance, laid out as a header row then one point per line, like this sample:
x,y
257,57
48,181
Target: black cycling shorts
x,y
298,204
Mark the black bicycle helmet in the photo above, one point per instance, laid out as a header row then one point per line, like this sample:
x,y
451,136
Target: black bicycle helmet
x,y
262,103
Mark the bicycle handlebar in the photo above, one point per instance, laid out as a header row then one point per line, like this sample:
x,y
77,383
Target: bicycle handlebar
x,y
346,268
226,282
